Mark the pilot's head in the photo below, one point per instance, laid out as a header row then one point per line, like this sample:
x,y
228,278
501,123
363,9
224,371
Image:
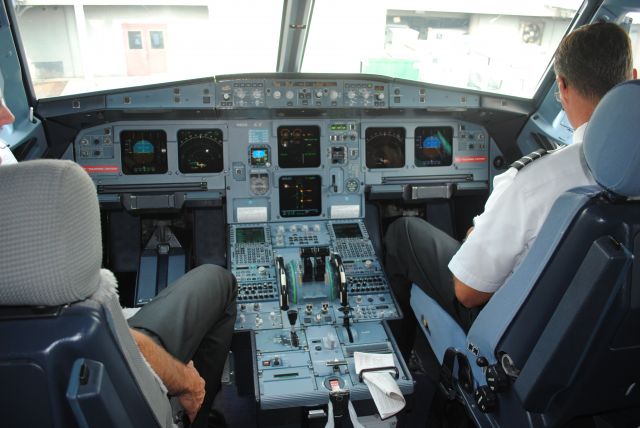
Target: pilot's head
x,y
589,61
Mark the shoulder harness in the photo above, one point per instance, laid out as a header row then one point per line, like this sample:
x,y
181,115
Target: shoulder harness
x,y
526,160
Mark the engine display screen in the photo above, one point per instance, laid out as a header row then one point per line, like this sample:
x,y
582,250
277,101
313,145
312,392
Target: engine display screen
x,y
200,151
347,230
300,195
298,146
384,147
144,152
250,235
433,145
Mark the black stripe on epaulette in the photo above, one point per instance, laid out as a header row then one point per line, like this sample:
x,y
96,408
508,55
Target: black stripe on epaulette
x,y
526,160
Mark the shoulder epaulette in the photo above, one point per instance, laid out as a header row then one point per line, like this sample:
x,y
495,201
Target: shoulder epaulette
x,y
526,160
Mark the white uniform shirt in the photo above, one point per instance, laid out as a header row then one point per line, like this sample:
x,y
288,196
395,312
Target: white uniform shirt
x,y
514,213
6,156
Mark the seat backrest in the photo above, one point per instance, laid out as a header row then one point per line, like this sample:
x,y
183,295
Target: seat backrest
x,y
567,318
67,358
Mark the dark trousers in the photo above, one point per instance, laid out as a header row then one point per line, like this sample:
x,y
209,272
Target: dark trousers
x,y
417,252
193,319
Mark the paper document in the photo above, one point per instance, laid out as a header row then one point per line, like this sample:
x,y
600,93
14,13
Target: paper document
x,y
382,384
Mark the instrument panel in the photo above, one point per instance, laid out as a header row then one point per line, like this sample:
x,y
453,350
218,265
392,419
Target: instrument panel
x,y
288,158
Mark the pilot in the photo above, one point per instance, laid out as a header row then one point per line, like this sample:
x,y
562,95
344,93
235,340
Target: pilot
x,y
185,332
462,277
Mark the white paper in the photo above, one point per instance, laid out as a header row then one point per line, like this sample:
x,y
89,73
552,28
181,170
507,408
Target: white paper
x,y
345,211
383,387
251,214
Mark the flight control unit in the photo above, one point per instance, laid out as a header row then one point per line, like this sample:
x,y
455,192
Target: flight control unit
x,y
313,293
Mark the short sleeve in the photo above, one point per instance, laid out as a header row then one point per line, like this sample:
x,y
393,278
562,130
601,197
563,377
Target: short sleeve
x,y
500,235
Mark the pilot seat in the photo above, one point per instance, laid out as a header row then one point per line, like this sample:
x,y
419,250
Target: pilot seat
x,y
66,356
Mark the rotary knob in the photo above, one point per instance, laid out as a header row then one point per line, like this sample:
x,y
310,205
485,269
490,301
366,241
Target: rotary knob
x,y
333,95
289,95
277,95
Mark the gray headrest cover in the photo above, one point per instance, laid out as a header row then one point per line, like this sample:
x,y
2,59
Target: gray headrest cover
x,y
612,140
50,238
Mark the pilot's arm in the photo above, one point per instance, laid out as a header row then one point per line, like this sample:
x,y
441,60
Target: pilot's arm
x,y
181,380
468,296
500,237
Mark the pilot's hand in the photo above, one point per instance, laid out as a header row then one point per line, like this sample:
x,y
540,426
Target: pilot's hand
x,y
191,399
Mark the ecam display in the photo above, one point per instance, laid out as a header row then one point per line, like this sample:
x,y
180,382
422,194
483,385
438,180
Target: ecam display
x,y
298,146
300,195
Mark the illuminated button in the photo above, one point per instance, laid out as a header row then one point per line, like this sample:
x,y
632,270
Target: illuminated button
x,y
266,363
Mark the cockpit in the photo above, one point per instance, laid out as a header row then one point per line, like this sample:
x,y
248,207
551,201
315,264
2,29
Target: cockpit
x,y
279,140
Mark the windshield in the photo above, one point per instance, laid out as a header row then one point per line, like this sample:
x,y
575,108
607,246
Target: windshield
x,y
499,46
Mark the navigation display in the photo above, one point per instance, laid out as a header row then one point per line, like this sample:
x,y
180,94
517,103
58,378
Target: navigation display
x,y
384,147
433,145
347,230
200,151
298,146
143,152
250,235
300,195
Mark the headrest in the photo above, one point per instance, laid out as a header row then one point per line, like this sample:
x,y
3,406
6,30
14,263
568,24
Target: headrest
x,y
612,140
50,238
